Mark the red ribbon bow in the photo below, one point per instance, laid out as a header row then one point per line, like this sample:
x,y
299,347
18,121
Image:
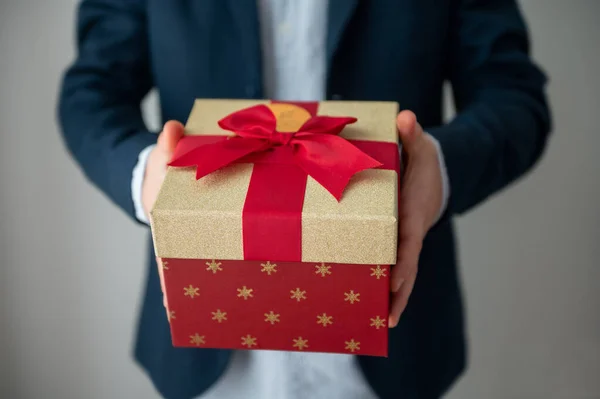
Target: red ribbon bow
x,y
316,148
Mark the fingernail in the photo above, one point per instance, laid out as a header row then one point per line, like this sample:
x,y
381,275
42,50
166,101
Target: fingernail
x,y
391,322
397,285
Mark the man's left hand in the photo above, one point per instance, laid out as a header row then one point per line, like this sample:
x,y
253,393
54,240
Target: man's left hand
x,y
420,203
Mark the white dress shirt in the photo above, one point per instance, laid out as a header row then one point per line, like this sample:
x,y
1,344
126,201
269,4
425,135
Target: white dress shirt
x,y
294,58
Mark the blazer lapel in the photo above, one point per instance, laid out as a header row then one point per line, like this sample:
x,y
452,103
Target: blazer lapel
x,y
245,15
339,13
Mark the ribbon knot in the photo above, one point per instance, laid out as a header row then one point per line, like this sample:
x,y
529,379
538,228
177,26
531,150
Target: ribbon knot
x,y
315,148
281,138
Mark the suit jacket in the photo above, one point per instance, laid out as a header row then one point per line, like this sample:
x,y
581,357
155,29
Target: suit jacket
x,y
402,50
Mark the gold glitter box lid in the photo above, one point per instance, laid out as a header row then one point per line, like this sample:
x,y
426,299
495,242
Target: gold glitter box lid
x,y
202,219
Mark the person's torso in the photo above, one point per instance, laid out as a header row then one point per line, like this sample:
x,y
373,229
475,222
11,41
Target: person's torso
x,y
373,50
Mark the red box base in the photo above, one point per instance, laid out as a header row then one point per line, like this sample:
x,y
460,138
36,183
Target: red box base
x,y
289,306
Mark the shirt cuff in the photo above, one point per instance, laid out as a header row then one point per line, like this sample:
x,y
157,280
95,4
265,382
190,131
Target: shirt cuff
x,y
137,181
445,179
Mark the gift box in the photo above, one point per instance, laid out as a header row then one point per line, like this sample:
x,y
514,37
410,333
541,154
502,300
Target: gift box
x,y
276,225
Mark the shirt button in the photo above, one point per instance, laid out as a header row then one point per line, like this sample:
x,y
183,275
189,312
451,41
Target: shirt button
x,y
337,97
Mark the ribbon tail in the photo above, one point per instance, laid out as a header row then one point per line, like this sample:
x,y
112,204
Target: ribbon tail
x,y
212,157
332,161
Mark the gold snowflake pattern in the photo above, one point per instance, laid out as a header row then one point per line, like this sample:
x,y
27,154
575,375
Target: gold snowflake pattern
x,y
214,266
245,293
249,341
298,294
323,269
165,265
269,268
377,322
378,272
171,315
352,297
197,339
219,316
352,345
191,291
324,319
300,343
272,317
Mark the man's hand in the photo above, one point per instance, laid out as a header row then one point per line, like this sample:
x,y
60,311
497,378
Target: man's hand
x,y
156,169
420,202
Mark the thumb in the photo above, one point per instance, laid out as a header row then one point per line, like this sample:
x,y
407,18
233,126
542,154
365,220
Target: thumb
x,y
168,138
409,130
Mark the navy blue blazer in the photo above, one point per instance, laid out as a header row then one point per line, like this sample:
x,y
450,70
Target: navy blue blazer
x,y
401,50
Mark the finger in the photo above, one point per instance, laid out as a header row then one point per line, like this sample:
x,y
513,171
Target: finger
x,y
400,300
409,248
408,261
168,138
162,281
409,130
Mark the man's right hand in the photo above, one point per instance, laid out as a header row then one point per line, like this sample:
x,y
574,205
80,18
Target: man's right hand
x,y
156,169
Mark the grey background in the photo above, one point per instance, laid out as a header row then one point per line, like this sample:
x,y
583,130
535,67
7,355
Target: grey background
x,y
72,265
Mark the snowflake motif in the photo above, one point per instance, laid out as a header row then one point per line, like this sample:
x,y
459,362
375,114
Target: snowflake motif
x,y
352,297
352,345
298,294
214,266
378,272
324,319
300,343
377,322
249,341
245,293
191,291
165,265
322,269
197,339
268,268
272,317
219,316
171,315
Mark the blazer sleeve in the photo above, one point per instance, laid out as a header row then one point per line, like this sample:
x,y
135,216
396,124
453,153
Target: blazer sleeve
x,y
99,107
503,120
